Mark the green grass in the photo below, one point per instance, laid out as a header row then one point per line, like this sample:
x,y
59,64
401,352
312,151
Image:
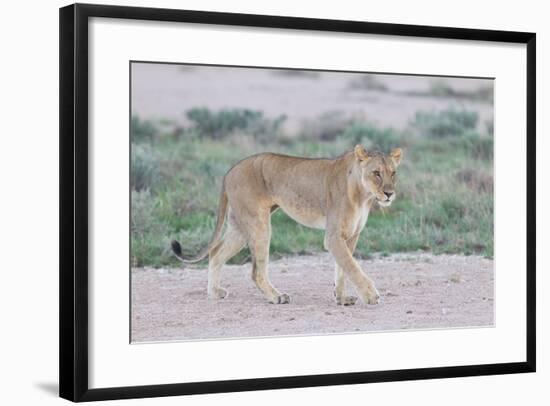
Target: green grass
x,y
445,123
444,198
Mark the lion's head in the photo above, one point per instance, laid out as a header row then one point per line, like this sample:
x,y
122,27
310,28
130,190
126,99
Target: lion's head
x,y
378,173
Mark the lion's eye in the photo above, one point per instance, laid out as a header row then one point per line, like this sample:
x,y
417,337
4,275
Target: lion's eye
x,y
376,173
393,174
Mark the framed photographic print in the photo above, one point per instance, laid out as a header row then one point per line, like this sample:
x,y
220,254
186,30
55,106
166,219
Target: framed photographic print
x,y
256,202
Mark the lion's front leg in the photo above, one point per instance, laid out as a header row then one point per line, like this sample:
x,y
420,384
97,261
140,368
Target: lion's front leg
x,y
345,261
340,278
340,289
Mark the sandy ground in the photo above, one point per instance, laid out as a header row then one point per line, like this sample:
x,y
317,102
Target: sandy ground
x,y
418,291
168,91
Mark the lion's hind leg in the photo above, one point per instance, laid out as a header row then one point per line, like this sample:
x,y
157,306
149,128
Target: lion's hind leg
x,y
232,242
259,232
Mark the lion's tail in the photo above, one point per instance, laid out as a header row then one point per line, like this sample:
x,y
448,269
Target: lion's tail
x,y
222,212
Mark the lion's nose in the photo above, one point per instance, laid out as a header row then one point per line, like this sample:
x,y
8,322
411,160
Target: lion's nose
x,y
388,194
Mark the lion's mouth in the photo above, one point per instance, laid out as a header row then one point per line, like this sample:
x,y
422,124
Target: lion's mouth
x,y
384,203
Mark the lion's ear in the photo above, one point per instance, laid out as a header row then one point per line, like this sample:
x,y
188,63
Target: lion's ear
x,y
361,153
396,155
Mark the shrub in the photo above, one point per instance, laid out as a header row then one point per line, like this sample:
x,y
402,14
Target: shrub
x,y
220,124
265,130
142,213
144,171
213,169
142,130
480,147
368,81
476,179
441,88
445,123
327,126
490,126
372,137
477,146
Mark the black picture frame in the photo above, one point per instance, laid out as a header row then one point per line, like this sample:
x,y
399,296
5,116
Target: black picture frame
x,y
73,254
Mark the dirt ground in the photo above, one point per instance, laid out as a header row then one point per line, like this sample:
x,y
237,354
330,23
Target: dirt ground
x,y
418,291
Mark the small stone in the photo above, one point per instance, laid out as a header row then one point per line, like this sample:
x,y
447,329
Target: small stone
x,y
455,278
409,311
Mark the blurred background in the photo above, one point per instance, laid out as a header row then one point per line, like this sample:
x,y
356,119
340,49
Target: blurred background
x,y
191,123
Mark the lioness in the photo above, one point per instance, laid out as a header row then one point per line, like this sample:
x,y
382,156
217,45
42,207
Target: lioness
x,y
334,195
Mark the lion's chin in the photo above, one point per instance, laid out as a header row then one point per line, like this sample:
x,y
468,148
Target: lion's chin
x,y
385,203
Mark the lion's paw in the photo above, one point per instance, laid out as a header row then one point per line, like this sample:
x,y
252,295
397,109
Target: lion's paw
x,y
283,298
347,300
218,293
373,296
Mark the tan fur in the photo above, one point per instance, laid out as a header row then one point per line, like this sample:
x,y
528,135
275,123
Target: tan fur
x,y
331,194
